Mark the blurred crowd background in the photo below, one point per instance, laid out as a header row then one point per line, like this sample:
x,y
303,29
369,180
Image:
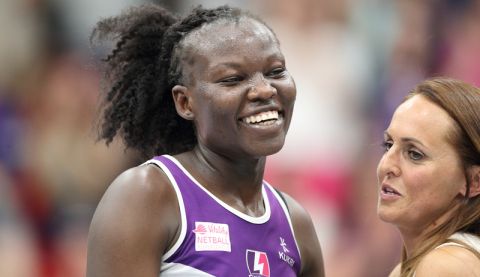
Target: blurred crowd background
x,y
353,61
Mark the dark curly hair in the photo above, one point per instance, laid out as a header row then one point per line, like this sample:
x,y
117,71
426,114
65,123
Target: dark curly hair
x,y
141,71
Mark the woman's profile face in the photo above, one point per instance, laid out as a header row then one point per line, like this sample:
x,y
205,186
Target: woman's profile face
x,y
241,93
420,175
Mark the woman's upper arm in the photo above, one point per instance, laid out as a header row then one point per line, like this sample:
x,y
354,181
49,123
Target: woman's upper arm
x,y
307,240
133,225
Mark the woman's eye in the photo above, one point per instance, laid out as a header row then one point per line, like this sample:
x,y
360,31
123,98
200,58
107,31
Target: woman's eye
x,y
230,81
387,145
415,155
277,72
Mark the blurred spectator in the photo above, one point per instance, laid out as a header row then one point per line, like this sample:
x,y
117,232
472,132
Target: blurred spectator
x,y
18,256
408,59
62,160
457,44
52,172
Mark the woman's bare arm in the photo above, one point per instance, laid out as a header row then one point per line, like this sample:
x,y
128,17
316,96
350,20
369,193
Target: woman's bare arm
x,y
134,224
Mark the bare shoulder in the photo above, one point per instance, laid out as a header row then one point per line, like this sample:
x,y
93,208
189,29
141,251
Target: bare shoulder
x,y
147,182
135,195
396,271
307,240
449,261
134,223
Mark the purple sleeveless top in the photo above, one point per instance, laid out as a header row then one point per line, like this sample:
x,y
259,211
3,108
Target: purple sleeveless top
x,y
217,240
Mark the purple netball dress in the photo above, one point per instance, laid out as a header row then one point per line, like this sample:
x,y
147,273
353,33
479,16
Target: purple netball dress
x,y
217,240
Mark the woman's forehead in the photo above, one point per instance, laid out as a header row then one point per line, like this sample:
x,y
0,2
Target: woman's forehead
x,y
225,31
229,44
419,117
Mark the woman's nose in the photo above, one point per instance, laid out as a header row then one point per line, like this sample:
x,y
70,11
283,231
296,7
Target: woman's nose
x,y
389,164
261,89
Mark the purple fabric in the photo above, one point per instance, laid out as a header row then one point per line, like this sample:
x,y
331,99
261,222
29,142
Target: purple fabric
x,y
252,244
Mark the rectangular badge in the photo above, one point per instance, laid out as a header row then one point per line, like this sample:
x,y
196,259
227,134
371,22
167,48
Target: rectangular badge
x,y
211,236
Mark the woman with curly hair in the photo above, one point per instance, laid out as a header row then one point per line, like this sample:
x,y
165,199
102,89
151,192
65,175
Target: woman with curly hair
x,y
208,96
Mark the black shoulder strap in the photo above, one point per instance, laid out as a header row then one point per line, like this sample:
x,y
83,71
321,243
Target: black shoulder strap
x,y
283,198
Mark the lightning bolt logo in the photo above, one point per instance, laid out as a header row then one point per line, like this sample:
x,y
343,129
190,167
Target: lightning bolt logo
x,y
257,263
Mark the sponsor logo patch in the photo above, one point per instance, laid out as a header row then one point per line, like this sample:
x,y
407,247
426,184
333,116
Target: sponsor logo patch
x,y
211,236
257,263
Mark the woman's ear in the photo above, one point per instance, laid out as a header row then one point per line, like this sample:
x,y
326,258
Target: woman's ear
x,y
474,176
183,102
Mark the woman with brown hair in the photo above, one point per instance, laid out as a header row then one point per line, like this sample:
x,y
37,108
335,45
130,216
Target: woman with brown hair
x,y
429,179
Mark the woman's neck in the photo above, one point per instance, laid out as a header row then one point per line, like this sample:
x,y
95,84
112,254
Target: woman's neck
x,y
414,237
237,182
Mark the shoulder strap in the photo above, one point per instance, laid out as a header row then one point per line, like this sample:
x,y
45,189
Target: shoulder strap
x,y
460,243
283,198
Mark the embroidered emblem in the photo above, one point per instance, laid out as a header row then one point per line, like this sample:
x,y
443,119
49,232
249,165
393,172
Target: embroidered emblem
x,y
283,254
211,236
257,263
283,245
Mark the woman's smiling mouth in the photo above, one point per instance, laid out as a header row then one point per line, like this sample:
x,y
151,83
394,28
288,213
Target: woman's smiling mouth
x,y
263,118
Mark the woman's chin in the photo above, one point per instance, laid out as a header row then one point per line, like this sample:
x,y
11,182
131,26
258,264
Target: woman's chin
x,y
385,215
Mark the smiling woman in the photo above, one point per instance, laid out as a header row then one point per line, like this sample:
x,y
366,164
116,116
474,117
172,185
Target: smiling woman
x,y
208,96
429,179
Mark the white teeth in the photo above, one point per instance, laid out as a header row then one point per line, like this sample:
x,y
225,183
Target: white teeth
x,y
389,190
270,115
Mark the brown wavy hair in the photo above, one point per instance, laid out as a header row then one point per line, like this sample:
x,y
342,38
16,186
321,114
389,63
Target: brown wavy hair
x,y
462,102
